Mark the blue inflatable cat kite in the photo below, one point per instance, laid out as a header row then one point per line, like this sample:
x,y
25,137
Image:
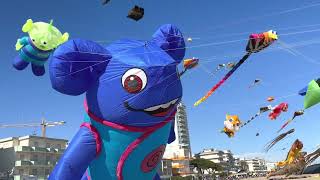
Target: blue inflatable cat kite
x,y
132,89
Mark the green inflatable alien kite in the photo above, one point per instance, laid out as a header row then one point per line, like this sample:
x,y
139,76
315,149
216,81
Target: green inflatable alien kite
x,y
36,48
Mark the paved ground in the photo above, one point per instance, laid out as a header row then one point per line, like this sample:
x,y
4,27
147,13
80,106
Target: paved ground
x,y
306,177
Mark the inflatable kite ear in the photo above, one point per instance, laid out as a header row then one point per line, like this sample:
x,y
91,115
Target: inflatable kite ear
x,y
64,38
303,91
169,38
27,26
76,65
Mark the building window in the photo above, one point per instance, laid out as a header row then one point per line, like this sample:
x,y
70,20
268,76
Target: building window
x,y
22,157
48,158
34,172
35,157
47,172
36,144
58,146
48,145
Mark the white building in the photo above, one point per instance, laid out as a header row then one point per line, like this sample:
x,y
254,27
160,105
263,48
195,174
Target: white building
x,y
30,156
165,171
256,165
270,166
179,151
223,157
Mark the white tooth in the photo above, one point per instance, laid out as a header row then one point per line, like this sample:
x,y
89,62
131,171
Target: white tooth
x,y
166,105
161,105
153,108
174,101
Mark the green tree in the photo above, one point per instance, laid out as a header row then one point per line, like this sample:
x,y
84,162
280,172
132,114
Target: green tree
x,y
203,164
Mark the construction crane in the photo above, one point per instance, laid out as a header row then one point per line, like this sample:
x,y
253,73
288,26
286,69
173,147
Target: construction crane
x,y
44,124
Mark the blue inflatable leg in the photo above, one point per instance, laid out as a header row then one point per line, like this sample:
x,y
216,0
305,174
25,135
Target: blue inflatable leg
x,y
77,157
157,177
38,70
19,63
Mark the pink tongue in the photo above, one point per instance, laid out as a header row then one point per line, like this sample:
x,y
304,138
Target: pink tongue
x,y
161,114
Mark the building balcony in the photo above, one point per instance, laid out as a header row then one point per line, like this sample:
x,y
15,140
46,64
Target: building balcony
x,y
23,163
35,163
22,149
37,149
183,136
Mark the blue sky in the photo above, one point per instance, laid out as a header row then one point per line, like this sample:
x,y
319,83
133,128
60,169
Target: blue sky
x,y
219,30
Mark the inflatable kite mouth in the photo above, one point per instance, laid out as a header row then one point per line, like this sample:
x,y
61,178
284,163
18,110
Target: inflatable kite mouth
x,y
158,110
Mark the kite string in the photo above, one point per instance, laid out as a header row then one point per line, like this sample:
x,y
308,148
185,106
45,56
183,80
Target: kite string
x,y
119,54
200,45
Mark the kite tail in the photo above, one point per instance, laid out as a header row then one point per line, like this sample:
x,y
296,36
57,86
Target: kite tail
x,y
277,139
216,71
297,113
182,72
285,124
252,118
244,58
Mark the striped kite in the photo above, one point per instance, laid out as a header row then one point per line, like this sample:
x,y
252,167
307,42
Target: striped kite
x,y
256,43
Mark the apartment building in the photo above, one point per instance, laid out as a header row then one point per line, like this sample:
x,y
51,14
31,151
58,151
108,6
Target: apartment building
x,y
256,165
165,171
30,157
223,157
179,151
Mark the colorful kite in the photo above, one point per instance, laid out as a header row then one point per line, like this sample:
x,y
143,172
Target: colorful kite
x,y
312,97
139,121
293,153
255,82
136,13
256,43
231,125
104,2
262,110
276,111
229,65
189,64
296,114
311,93
277,139
36,49
298,165
270,98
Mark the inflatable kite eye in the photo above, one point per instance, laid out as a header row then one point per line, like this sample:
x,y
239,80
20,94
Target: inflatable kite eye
x,y
134,80
230,120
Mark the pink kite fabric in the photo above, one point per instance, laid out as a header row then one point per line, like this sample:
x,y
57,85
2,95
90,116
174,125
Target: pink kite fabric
x,y
276,111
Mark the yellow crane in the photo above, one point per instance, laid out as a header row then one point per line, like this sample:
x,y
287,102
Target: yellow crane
x,y
44,124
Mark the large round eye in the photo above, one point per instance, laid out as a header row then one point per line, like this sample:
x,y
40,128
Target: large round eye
x,y
33,40
134,80
44,42
230,120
